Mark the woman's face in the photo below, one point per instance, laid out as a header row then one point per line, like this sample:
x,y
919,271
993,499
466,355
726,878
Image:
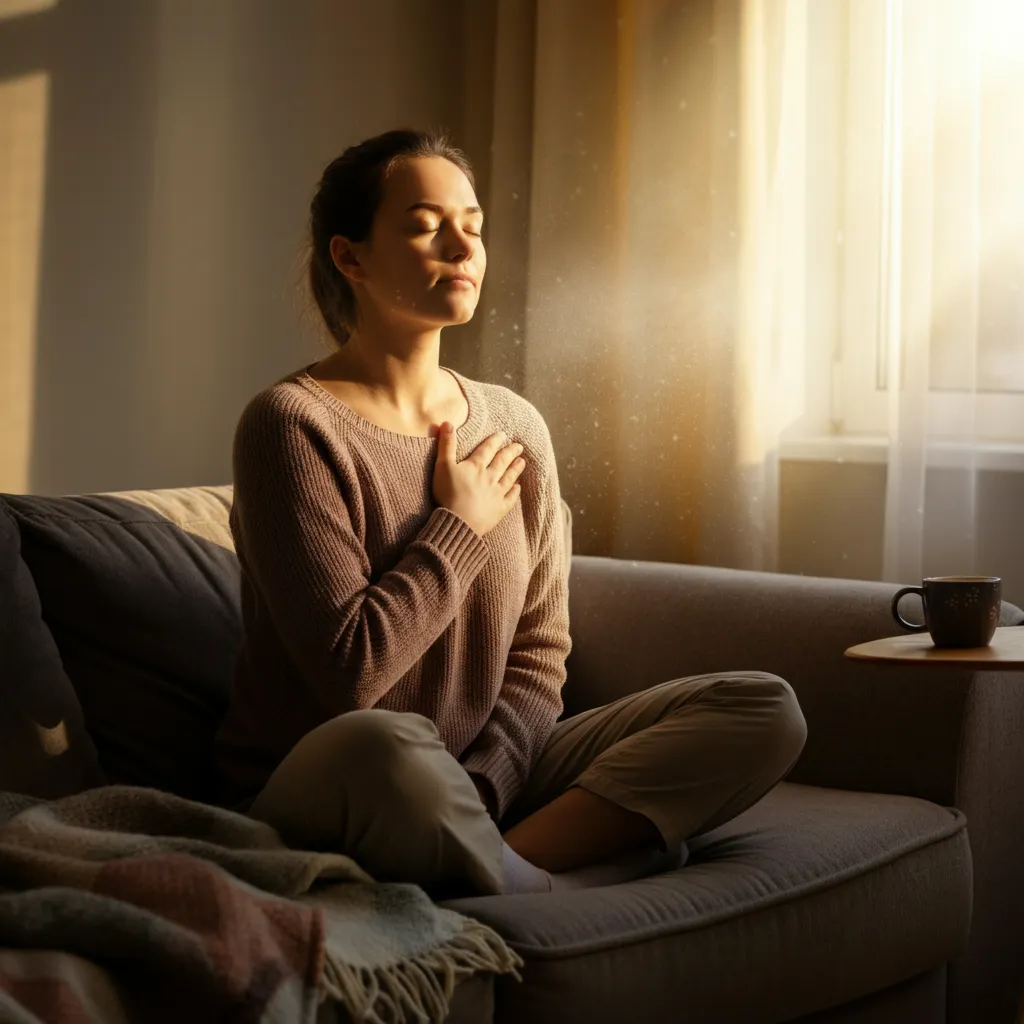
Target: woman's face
x,y
426,232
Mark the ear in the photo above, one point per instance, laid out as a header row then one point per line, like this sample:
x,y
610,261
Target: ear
x,y
345,259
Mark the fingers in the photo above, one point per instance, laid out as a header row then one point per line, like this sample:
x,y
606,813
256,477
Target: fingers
x,y
506,457
446,442
488,448
503,460
493,453
511,474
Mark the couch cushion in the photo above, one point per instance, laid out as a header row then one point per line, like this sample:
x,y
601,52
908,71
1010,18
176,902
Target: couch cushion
x,y
140,590
810,898
44,748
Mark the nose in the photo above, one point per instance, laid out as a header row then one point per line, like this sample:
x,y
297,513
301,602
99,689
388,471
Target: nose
x,y
459,246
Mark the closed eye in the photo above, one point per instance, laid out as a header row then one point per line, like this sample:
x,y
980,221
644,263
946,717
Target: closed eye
x,y
431,231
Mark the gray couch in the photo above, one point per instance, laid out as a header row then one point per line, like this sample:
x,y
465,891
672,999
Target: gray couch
x,y
882,882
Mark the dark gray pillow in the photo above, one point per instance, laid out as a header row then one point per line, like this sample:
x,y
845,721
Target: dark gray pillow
x,y
44,748
141,595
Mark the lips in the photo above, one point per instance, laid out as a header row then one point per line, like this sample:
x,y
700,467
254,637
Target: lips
x,y
456,278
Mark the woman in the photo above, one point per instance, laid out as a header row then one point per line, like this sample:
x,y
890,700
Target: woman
x,y
405,601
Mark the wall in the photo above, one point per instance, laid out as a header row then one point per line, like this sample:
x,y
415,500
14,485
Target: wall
x,y
183,140
832,516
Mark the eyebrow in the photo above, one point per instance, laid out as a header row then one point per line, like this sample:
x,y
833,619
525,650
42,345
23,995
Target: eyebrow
x,y
433,207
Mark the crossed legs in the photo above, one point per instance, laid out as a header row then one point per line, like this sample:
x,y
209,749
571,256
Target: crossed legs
x,y
648,770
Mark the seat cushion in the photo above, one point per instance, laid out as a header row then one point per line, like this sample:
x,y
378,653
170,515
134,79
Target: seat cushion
x,y
45,749
810,898
140,590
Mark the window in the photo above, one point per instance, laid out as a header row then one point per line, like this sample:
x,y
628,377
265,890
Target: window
x,y
929,246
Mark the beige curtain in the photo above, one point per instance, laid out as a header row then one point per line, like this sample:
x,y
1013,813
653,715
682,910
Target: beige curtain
x,y
622,327
644,324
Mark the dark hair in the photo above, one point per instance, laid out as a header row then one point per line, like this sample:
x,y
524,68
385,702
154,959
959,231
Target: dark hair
x,y
346,201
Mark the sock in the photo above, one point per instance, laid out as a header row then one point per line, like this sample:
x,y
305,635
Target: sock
x,y
627,867
520,875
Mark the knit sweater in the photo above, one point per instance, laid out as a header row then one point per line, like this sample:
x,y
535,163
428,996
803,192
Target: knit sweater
x,y
360,591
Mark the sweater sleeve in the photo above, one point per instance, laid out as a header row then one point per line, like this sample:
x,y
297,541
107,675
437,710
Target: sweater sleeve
x,y
351,639
530,700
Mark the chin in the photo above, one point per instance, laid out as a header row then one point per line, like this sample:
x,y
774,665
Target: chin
x,y
448,312
460,314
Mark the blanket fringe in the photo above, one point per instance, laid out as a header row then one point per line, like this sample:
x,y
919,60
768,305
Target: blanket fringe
x,y
419,988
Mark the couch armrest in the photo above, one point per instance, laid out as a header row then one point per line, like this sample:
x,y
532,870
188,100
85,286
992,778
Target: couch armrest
x,y
951,736
880,728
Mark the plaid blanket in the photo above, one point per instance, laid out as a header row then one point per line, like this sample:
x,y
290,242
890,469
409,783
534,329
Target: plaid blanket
x,y
198,913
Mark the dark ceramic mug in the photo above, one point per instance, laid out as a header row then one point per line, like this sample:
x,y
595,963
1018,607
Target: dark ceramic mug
x,y
959,611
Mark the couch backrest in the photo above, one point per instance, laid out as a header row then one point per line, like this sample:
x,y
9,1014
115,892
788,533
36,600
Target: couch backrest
x,y
140,591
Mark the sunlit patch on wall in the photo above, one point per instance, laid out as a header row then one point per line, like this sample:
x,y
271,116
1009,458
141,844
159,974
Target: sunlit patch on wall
x,y
15,8
23,107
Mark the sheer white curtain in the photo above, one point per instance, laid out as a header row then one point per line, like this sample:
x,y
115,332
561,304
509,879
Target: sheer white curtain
x,y
917,129
953,145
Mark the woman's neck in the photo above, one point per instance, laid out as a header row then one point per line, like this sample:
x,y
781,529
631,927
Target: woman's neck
x,y
407,381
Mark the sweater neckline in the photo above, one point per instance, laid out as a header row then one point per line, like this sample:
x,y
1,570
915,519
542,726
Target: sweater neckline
x,y
465,436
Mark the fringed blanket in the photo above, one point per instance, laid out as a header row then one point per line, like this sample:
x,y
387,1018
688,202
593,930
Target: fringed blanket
x,y
201,914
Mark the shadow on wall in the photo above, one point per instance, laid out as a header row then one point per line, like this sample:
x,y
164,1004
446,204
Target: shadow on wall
x,y
832,520
183,141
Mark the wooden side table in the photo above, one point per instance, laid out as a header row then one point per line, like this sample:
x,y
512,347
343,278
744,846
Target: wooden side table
x,y
1005,652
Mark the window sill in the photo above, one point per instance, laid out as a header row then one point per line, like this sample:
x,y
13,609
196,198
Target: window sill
x,y
986,455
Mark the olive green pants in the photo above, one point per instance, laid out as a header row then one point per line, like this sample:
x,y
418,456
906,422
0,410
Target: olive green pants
x,y
380,786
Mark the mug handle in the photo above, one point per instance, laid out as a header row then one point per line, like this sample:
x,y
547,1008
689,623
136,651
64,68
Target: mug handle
x,y
912,626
